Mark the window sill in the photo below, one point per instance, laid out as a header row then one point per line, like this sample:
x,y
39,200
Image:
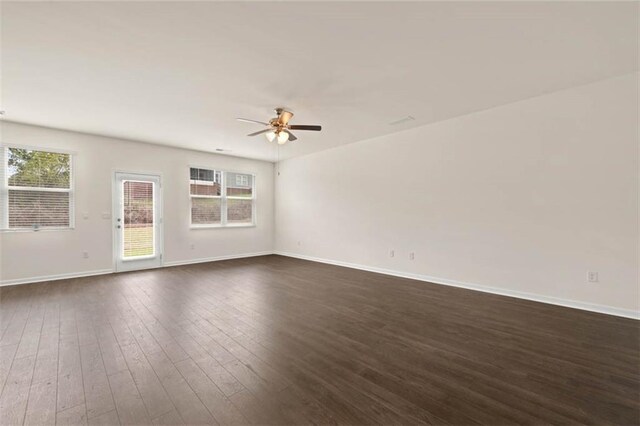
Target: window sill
x,y
19,230
240,225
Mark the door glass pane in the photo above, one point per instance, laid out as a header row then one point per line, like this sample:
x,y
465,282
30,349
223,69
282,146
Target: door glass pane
x,y
138,219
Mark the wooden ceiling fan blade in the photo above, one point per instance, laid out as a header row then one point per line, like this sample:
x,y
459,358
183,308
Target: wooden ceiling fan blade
x,y
260,131
247,120
292,137
305,127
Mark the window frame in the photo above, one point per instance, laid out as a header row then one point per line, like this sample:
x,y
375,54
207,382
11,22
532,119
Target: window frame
x,y
5,188
223,200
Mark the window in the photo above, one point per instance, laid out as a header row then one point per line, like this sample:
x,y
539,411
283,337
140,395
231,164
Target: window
x,y
37,189
242,180
221,198
206,175
239,198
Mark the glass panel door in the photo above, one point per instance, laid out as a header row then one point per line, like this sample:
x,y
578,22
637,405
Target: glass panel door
x,y
138,225
138,219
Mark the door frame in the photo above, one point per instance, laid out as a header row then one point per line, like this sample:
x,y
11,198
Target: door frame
x,y
116,210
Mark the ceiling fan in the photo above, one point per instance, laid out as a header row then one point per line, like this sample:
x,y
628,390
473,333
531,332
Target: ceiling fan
x,y
279,129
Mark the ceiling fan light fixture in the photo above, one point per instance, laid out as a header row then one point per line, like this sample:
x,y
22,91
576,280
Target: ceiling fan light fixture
x,y
278,128
283,137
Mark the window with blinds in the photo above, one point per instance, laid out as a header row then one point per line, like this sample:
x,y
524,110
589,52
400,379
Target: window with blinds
x,y
221,198
37,189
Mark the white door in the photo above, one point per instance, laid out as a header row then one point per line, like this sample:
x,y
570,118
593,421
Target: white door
x,y
137,215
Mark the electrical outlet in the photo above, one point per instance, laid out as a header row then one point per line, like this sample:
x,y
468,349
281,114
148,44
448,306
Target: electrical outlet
x,y
298,243
592,277
85,254
192,246
392,253
412,256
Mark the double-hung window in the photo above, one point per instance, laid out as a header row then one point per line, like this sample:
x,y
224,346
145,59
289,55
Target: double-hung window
x,y
220,198
37,189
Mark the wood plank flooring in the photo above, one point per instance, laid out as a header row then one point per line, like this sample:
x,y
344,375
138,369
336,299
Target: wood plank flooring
x,y
274,340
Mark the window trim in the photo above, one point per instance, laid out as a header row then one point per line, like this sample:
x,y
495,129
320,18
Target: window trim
x,y
5,188
223,200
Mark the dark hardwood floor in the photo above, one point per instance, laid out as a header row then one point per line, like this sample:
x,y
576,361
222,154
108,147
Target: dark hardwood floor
x,y
274,340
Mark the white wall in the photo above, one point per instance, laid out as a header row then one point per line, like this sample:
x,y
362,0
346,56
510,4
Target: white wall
x,y
525,198
30,255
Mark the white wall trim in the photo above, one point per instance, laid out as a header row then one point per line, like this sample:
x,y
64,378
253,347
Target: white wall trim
x,y
56,277
31,280
216,258
603,309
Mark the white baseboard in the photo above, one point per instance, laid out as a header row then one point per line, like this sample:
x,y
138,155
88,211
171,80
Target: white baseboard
x,y
109,271
216,258
609,310
603,309
56,277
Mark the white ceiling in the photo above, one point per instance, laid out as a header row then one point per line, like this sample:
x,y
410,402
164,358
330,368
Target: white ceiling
x,y
179,73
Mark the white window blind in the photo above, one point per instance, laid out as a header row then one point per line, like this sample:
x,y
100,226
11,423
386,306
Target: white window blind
x,y
221,198
37,189
138,220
